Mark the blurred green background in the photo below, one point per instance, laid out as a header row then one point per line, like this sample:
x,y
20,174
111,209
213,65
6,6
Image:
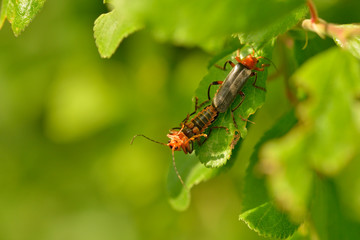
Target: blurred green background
x,y
67,169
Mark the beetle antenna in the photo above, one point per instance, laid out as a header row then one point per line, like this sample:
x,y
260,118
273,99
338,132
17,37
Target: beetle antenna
x,y
270,62
177,172
132,140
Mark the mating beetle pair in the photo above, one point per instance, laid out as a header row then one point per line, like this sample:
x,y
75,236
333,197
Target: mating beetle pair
x,y
182,138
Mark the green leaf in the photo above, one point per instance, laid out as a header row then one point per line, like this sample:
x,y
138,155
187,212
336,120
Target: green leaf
x,y
267,221
349,196
346,36
217,149
281,25
255,192
192,172
329,220
353,46
326,138
110,29
231,44
258,210
351,38
331,103
208,23
19,13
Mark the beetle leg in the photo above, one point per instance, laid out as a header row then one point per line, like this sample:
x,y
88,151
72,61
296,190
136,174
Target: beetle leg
x,y
233,110
254,83
236,138
246,120
224,68
262,65
196,108
242,100
195,137
212,84
216,127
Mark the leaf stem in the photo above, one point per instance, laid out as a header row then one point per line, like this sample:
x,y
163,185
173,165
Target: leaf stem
x,y
313,11
340,33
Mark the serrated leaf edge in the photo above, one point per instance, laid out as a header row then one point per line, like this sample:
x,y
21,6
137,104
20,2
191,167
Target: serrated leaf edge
x,y
242,217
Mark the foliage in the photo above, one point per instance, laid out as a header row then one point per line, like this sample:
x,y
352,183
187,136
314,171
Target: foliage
x,y
19,13
259,211
110,29
330,102
180,22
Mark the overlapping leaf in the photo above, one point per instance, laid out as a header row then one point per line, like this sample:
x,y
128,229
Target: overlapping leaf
x,y
277,27
329,219
349,196
193,173
202,23
325,138
19,13
268,221
351,40
259,212
110,29
346,36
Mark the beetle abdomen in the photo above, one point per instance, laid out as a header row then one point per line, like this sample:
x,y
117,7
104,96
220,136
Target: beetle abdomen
x,y
200,122
231,87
